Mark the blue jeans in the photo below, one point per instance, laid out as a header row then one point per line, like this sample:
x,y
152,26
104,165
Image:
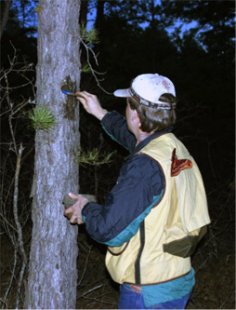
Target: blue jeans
x,y
129,299
133,299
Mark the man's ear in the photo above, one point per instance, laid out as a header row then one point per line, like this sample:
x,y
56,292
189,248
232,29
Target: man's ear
x,y
135,118
134,115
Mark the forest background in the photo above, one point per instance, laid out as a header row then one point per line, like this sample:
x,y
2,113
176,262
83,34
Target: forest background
x,y
191,42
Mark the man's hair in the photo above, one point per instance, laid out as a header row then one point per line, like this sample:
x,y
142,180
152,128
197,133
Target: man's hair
x,y
155,119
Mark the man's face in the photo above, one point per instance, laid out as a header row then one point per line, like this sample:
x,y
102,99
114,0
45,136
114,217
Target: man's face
x,y
131,118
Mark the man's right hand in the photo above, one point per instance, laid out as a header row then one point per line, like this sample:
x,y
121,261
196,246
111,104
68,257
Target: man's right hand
x,y
91,104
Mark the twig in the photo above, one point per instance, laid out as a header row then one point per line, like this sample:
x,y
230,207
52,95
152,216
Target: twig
x,y
88,49
13,229
11,114
19,107
12,275
100,301
85,265
18,225
3,302
91,290
7,222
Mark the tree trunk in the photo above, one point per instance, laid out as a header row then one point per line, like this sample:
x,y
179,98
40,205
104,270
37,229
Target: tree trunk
x,y
4,12
83,12
100,14
52,279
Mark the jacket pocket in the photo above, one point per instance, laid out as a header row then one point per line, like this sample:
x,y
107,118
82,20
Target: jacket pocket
x,y
185,247
118,250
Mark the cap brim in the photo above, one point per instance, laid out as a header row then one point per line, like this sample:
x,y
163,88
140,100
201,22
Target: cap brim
x,y
124,93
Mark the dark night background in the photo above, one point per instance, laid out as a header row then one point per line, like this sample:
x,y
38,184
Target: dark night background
x,y
192,43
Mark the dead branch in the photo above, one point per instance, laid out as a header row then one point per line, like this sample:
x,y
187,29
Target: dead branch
x,y
85,265
13,228
12,277
17,222
91,290
94,73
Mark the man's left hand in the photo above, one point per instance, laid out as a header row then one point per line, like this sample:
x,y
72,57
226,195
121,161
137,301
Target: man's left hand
x,y
74,213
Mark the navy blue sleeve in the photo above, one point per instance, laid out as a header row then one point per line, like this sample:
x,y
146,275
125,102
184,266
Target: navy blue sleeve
x,y
139,187
115,126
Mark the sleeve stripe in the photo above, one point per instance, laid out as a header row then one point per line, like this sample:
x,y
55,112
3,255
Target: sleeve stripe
x,y
133,227
112,137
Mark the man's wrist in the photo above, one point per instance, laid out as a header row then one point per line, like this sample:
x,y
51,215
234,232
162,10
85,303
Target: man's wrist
x,y
84,207
101,114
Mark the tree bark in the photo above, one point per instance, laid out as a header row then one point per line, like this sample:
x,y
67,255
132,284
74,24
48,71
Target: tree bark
x,y
100,14
52,279
83,12
4,15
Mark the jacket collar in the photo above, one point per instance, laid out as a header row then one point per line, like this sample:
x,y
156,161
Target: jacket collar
x,y
151,137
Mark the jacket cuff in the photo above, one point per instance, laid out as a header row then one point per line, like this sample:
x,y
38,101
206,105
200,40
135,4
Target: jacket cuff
x,y
84,211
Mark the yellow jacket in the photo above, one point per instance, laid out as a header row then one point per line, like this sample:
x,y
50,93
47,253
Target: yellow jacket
x,y
160,250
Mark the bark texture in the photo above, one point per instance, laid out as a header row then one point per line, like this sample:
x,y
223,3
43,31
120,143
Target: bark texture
x,y
52,276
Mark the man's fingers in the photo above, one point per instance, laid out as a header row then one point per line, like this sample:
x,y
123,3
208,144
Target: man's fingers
x,y
83,94
79,96
73,213
75,219
74,196
87,94
68,213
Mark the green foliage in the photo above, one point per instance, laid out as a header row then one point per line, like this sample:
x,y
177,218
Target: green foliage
x,y
93,158
38,9
86,69
42,118
90,36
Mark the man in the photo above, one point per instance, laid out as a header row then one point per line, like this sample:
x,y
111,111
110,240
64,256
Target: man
x,y
157,211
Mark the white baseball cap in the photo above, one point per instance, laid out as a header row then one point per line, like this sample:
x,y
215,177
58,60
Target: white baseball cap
x,y
149,88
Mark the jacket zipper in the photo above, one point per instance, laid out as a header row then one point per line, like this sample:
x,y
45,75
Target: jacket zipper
x,y
137,263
